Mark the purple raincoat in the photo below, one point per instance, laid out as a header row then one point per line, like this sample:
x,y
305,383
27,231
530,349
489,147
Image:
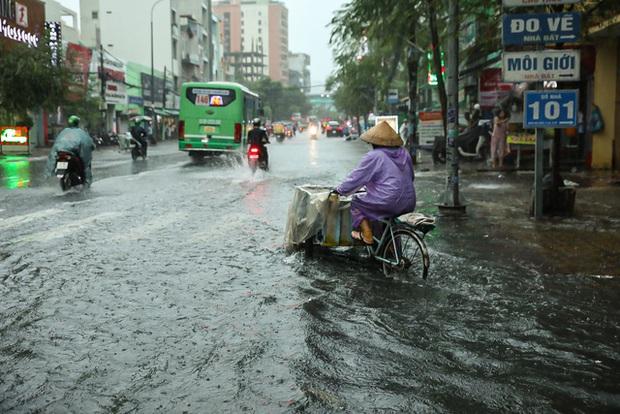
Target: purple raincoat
x,y
388,176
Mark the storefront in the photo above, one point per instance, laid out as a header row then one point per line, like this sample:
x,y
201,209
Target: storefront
x,y
606,94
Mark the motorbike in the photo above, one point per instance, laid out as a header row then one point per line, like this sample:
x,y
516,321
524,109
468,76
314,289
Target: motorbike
x,y
138,149
313,132
69,170
472,144
256,159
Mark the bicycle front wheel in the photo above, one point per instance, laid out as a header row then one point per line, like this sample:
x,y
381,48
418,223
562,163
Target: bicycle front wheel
x,y
407,254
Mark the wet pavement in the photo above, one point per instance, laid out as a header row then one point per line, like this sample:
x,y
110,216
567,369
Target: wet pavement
x,y
165,288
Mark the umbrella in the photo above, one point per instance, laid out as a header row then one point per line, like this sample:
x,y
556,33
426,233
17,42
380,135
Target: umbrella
x,y
140,118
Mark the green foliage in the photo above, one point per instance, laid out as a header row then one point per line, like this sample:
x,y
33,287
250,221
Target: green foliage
x,y
279,101
29,81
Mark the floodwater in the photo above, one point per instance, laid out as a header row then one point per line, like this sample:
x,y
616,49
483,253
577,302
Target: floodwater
x,y
165,288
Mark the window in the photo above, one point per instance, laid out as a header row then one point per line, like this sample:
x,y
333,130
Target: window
x,y
173,16
260,30
174,48
95,15
259,22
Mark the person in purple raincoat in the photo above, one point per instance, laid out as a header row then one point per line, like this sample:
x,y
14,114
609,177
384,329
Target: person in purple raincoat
x,y
387,173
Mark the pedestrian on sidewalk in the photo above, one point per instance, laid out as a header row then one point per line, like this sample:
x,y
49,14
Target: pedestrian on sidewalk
x,y
499,147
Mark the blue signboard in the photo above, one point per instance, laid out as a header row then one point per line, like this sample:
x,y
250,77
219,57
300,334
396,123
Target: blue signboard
x,y
523,29
551,109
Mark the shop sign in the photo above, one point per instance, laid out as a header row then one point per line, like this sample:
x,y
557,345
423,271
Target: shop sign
x,y
550,109
135,100
392,121
545,65
114,71
491,88
14,135
79,60
54,30
146,89
392,96
21,22
430,125
521,139
517,3
522,29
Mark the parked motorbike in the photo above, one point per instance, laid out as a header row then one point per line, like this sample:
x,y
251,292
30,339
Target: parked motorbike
x,y
472,144
69,170
256,159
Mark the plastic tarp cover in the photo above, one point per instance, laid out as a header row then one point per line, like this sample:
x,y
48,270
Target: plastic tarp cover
x,y
306,214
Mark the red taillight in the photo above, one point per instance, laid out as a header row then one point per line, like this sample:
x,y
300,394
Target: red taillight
x,y
253,153
181,129
238,133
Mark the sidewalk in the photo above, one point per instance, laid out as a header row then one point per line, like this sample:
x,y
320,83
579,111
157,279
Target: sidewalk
x,y
497,224
107,153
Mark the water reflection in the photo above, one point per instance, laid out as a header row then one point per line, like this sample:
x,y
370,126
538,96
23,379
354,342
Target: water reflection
x,y
15,172
314,152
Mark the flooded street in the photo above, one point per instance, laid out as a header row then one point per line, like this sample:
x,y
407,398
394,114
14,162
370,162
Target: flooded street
x,y
165,288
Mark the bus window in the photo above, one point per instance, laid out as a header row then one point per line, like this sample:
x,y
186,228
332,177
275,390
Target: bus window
x,y
210,97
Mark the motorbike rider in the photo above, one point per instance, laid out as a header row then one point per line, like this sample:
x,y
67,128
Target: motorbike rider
x,y
75,140
140,133
257,136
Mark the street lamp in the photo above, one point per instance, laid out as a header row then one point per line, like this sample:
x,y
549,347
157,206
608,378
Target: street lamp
x,y
153,74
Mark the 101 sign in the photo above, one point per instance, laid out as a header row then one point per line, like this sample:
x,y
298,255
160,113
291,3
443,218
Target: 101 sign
x,y
551,109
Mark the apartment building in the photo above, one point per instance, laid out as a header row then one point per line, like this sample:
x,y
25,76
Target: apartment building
x,y
255,36
299,71
123,29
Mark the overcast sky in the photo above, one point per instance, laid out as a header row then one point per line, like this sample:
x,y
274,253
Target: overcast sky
x,y
308,32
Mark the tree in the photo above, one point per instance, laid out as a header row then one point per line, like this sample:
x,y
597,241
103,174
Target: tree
x,y
381,29
29,81
279,101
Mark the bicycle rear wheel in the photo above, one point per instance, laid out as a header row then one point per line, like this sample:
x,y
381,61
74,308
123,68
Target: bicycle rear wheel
x,y
412,255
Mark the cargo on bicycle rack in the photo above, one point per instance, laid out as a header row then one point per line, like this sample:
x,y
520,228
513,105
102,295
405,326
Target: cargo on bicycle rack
x,y
317,219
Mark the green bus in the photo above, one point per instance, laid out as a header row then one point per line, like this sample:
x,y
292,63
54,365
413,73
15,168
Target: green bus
x,y
215,117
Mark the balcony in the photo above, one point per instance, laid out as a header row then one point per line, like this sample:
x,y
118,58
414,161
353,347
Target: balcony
x,y
175,31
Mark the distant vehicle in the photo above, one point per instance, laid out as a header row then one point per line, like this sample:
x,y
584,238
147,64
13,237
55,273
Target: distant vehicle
x,y
334,129
279,130
313,131
213,115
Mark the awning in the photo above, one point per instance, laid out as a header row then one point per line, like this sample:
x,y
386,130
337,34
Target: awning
x,y
480,63
172,112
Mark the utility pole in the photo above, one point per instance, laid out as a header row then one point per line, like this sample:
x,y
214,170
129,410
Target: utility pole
x,y
102,78
452,203
210,34
163,98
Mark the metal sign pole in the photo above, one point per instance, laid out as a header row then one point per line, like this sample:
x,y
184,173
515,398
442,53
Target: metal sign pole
x,y
539,173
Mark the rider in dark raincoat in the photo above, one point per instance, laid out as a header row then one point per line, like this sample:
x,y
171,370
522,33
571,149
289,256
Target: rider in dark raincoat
x,y
387,173
74,140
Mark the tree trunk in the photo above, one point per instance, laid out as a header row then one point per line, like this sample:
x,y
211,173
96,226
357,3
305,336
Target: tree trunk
x,y
441,88
412,69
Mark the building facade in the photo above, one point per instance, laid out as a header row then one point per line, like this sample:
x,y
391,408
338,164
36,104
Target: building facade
x,y
123,28
255,38
68,19
299,71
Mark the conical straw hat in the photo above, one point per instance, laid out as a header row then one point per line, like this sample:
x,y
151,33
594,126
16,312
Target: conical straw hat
x,y
382,134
